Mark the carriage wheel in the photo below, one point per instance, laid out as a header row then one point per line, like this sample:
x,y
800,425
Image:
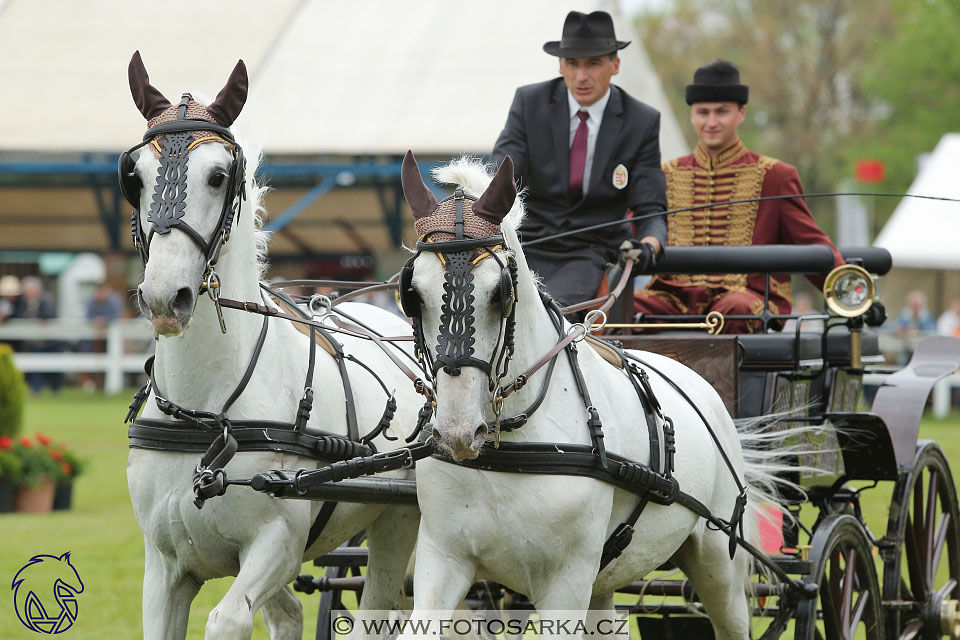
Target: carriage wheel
x,y
921,575
848,599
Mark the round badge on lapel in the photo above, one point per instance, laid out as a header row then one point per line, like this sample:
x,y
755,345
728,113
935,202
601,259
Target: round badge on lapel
x,y
620,177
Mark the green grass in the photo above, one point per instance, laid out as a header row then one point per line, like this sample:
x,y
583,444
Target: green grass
x,y
106,544
100,531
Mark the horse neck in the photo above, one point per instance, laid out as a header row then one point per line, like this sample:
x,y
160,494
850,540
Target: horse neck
x,y
201,367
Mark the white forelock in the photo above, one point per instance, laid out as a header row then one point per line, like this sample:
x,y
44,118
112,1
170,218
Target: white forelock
x,y
474,175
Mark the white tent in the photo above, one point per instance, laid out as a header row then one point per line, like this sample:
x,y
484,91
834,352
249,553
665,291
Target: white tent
x,y
925,234
327,76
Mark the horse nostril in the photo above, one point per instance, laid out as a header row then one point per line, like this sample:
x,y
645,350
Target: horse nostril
x,y
436,434
480,433
182,302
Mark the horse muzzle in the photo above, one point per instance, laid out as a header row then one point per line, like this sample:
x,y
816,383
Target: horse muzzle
x,y
169,313
462,443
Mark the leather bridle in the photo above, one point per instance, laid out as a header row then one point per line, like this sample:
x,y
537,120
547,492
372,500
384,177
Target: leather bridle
x,y
454,349
170,191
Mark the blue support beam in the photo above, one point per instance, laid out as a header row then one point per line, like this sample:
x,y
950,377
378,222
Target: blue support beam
x,y
300,205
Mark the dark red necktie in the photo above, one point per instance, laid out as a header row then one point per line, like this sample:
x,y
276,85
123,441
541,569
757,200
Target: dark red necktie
x,y
578,157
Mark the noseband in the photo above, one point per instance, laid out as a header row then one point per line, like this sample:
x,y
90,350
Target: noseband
x,y
455,342
170,191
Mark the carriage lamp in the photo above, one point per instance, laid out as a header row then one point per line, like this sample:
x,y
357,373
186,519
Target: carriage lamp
x,y
849,290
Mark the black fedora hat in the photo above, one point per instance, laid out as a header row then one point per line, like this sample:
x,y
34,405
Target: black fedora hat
x,y
585,36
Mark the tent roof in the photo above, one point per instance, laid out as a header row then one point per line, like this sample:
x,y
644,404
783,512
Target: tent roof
x,y
326,77
923,233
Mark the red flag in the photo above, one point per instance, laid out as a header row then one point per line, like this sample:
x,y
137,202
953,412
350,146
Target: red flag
x,y
870,171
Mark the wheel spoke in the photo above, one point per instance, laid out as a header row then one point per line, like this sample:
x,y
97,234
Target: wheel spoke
x,y
945,590
913,628
918,503
849,575
914,563
930,528
857,614
831,598
938,544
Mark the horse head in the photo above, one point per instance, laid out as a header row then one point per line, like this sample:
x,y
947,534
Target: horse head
x,y
193,171
460,290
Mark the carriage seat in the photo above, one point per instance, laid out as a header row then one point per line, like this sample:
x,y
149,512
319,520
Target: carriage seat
x,y
787,350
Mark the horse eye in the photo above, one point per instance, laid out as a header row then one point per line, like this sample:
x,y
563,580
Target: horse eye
x,y
216,180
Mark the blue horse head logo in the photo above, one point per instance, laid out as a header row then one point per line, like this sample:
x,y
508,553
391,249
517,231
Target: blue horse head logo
x,y
45,593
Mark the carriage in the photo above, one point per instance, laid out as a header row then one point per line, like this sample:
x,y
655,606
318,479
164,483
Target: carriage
x,y
829,575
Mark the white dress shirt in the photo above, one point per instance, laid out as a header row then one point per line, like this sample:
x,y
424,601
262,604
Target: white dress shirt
x,y
593,126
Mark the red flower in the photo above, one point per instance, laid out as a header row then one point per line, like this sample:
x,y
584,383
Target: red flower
x,y
25,441
56,455
65,467
6,442
44,440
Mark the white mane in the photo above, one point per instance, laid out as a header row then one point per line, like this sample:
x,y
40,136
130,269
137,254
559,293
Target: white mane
x,y
474,175
253,153
255,194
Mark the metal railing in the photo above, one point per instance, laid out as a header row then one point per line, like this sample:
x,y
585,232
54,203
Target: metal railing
x,y
128,343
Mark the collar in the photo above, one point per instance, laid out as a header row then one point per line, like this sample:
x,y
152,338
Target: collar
x,y
595,110
725,158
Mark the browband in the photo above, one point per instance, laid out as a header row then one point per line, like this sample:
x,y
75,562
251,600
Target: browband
x,y
192,124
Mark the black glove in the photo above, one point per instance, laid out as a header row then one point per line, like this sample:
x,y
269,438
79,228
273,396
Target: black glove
x,y
643,254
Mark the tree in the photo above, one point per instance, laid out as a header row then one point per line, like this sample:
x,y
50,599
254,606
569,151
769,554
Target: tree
x,y
802,60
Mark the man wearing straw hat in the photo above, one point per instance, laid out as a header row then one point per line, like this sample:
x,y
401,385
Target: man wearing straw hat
x,y
586,152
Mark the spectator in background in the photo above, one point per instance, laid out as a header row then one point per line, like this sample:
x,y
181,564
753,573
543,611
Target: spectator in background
x,y
103,309
914,321
9,295
948,324
104,306
37,304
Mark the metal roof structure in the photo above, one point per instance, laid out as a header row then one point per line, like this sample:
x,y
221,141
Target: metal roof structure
x,y
343,87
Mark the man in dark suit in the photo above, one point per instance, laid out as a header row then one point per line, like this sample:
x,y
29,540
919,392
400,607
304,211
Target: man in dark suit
x,y
586,152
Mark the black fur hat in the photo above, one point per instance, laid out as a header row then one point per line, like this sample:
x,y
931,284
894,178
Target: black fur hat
x,y
718,81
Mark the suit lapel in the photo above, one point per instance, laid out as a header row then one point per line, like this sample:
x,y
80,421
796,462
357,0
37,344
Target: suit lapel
x,y
606,137
560,126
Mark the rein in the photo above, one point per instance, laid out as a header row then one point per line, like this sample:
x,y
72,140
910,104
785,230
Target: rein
x,y
699,207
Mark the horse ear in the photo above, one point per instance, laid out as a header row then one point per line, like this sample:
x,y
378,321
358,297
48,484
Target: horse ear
x,y
418,195
147,98
232,97
496,202
65,557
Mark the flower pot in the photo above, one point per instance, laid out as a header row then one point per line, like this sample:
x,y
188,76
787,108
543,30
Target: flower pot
x,y
7,493
38,499
63,496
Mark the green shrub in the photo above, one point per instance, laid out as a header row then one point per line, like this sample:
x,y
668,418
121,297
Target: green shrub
x,y
13,393
11,469
37,463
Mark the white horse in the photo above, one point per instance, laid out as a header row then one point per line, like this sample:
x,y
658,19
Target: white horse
x,y
543,535
257,538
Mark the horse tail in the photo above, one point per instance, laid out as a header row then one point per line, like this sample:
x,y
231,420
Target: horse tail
x,y
771,450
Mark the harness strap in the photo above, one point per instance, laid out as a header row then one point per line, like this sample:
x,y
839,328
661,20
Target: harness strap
x,y
736,519
323,517
306,401
251,435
